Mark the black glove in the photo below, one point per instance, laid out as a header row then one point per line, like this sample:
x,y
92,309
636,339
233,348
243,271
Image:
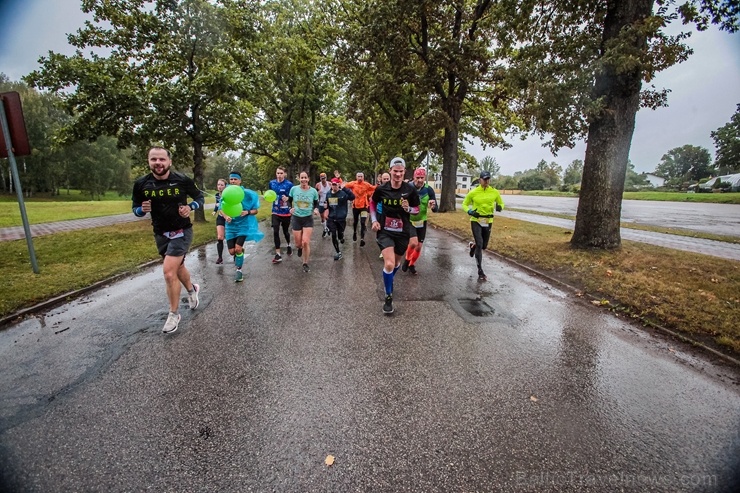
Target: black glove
x,y
475,214
470,212
499,208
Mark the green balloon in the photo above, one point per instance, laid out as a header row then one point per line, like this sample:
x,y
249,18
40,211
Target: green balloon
x,y
270,196
232,210
233,194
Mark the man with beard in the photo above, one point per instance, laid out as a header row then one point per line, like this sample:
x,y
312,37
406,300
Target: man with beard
x,y
163,193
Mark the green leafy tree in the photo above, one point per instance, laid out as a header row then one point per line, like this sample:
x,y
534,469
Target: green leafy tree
x,y
489,164
301,122
532,182
572,174
550,173
171,77
432,71
580,69
727,144
685,163
634,180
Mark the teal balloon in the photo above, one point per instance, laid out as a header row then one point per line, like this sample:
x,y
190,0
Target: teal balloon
x,y
270,196
232,210
233,194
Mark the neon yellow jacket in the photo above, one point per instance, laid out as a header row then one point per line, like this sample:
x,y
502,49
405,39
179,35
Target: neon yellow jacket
x,y
483,201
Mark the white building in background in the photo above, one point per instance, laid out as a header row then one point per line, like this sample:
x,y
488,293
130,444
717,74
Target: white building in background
x,y
463,182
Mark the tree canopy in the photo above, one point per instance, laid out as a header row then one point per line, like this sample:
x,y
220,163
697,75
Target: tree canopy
x,y
727,145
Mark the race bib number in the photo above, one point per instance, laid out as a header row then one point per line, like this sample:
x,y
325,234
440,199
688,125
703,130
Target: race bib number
x,y
483,221
303,205
333,201
393,224
417,224
363,214
174,234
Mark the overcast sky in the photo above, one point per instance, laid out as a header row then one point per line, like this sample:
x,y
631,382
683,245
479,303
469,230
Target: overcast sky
x,y
704,90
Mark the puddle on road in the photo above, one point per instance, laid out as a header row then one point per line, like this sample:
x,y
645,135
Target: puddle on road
x,y
477,308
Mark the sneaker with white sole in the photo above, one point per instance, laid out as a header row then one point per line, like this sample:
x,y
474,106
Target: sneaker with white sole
x,y
193,300
388,305
239,276
289,250
277,258
338,256
173,320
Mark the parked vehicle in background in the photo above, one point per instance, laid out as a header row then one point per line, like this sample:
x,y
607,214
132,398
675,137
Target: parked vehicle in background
x,y
725,183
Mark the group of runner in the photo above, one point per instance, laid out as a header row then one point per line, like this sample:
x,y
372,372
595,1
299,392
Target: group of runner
x,y
397,211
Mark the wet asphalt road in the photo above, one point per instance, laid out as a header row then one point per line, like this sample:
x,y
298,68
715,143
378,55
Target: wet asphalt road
x,y
530,388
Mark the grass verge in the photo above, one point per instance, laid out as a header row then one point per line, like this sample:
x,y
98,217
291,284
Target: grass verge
x,y
72,260
691,293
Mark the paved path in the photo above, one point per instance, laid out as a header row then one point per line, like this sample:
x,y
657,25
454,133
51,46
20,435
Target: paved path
x,y
17,233
697,245
714,248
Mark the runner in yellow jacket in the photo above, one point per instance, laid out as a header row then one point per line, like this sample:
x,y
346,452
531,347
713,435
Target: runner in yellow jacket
x,y
480,204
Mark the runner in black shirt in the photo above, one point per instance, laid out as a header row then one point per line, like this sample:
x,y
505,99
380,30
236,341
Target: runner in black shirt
x,y
395,233
164,194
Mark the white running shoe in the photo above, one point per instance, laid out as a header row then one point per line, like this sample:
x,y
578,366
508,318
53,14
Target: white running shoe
x,y
193,297
173,320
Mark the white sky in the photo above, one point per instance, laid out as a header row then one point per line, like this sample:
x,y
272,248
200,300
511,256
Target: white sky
x,y
704,90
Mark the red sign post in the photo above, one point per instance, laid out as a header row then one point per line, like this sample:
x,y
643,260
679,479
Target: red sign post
x,y
14,142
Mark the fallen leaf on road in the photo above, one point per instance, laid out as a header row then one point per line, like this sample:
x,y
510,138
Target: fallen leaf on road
x,y
329,461
609,273
533,398
715,281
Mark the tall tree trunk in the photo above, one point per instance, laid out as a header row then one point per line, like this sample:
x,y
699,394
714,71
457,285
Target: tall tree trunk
x,y
450,141
610,136
200,215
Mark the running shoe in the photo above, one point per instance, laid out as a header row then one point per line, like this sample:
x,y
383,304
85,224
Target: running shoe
x,y
471,245
338,256
277,258
300,252
306,268
388,305
405,265
289,250
354,236
481,275
412,269
239,276
220,260
323,235
173,320
362,243
341,240
381,255
193,300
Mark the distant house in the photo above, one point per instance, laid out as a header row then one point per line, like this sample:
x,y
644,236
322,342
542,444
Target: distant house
x,y
655,180
464,182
